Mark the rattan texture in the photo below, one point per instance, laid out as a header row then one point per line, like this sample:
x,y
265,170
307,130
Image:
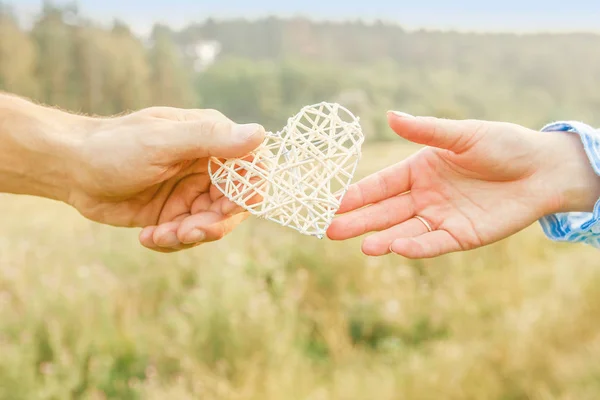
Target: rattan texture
x,y
299,175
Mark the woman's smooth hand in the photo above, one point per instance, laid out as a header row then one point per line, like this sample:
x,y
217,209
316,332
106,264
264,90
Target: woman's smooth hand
x,y
150,169
474,183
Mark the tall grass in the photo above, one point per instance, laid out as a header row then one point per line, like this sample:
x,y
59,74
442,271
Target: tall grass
x,y
266,313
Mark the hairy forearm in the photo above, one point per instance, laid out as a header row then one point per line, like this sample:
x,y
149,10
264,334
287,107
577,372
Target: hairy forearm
x,y
36,148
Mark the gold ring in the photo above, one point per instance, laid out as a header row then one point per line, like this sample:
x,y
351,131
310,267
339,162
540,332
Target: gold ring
x,y
424,223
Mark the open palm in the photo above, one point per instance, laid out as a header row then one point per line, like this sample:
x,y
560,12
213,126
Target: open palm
x,y
476,182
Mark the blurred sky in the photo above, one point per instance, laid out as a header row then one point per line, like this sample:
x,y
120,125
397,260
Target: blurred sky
x,y
481,15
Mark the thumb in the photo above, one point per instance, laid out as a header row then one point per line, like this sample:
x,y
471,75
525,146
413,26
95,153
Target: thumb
x,y
219,137
456,136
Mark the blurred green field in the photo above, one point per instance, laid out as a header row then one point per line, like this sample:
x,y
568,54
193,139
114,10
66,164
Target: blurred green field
x,y
85,312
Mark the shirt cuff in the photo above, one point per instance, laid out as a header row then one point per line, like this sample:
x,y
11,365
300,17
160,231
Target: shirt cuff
x,y
577,227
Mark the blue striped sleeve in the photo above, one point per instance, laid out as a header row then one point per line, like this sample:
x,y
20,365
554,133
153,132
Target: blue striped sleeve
x,y
577,227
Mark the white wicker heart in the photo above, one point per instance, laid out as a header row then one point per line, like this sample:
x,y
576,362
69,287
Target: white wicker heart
x,y
299,175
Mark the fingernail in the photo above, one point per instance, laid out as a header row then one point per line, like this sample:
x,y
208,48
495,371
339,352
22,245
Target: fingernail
x,y
169,239
246,130
146,233
392,250
195,236
402,114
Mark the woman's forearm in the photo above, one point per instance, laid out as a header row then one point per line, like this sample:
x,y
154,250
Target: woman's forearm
x,y
571,171
36,148
576,171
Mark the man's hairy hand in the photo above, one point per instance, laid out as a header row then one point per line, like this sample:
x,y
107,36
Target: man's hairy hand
x,y
148,169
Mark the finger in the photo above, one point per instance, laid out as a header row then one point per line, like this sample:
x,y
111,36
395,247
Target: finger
x,y
218,204
379,186
168,250
233,221
182,197
165,235
215,193
382,215
431,244
379,243
453,135
225,206
219,137
207,227
146,239
201,203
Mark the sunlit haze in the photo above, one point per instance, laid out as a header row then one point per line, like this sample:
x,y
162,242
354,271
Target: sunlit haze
x,y
491,15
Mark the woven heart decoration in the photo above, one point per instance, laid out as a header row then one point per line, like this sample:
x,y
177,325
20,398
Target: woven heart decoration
x,y
297,177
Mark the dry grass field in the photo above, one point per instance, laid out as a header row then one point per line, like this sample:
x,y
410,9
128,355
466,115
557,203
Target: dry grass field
x,y
87,313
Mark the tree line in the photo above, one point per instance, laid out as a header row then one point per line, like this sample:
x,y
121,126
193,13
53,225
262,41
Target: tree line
x,y
265,70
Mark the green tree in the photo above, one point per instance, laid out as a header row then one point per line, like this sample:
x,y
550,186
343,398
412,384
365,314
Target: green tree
x,y
170,76
89,65
245,91
54,39
17,57
128,78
